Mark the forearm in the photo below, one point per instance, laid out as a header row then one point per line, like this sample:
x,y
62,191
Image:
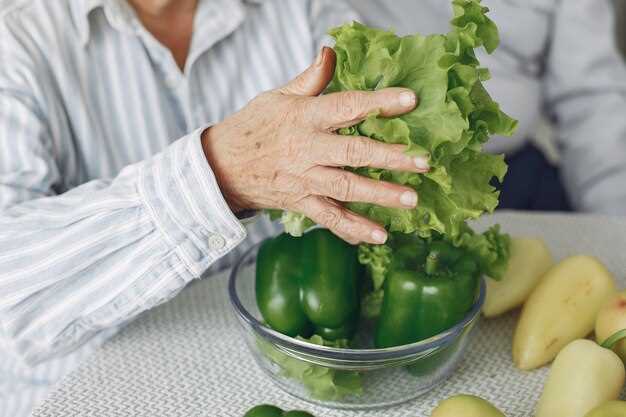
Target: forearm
x,y
75,265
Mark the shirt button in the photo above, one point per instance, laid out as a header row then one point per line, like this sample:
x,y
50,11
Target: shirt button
x,y
172,82
216,242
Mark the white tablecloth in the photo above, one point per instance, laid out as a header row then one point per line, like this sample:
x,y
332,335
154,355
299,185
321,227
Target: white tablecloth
x,y
186,358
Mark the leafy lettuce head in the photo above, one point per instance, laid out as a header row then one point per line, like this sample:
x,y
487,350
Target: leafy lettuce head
x,y
455,117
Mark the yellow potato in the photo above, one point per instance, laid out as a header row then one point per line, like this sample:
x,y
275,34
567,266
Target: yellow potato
x,y
611,319
562,308
610,409
530,260
466,406
583,376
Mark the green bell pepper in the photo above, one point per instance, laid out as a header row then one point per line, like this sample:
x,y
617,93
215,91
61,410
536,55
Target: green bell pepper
x,y
272,411
309,285
426,292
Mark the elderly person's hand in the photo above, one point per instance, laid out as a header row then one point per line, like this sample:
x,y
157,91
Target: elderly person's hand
x,y
280,151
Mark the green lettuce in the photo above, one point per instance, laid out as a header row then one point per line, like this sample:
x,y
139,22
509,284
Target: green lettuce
x,y
455,117
491,249
321,382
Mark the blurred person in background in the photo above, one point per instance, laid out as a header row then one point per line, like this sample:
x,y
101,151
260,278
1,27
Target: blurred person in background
x,y
621,24
557,60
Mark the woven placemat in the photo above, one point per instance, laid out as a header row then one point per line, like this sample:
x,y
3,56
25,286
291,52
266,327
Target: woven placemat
x,y
187,359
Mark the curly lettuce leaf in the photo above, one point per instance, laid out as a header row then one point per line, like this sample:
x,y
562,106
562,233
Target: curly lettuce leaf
x,y
322,383
454,119
491,249
376,259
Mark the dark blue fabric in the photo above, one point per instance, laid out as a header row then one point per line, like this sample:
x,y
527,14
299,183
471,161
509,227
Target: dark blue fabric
x,y
532,183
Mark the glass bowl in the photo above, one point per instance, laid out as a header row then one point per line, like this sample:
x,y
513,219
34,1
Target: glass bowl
x,y
346,378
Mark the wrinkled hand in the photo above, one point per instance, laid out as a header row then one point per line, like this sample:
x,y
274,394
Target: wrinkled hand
x,y
281,152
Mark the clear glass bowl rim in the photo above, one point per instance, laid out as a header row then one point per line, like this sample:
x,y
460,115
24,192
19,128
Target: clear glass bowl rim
x,y
397,352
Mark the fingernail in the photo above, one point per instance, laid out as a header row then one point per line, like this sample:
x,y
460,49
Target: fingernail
x,y
409,198
421,162
407,99
379,236
320,57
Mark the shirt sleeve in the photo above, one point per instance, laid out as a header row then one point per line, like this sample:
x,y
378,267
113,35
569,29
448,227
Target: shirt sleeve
x,y
325,15
75,264
586,95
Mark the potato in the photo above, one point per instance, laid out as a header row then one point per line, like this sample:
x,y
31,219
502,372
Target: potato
x,y
611,319
562,308
610,409
583,376
466,406
530,260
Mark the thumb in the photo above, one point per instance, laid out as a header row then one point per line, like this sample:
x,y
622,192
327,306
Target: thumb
x,y
315,78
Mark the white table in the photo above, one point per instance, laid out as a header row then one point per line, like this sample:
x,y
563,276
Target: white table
x,y
186,358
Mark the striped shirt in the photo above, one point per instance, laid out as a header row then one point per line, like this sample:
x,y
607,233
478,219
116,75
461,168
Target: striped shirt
x,y
107,204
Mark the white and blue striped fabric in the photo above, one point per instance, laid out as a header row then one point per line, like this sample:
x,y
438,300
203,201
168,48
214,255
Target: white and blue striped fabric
x,y
107,204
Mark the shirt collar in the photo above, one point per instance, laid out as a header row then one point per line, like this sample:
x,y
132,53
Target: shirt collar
x,y
81,9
